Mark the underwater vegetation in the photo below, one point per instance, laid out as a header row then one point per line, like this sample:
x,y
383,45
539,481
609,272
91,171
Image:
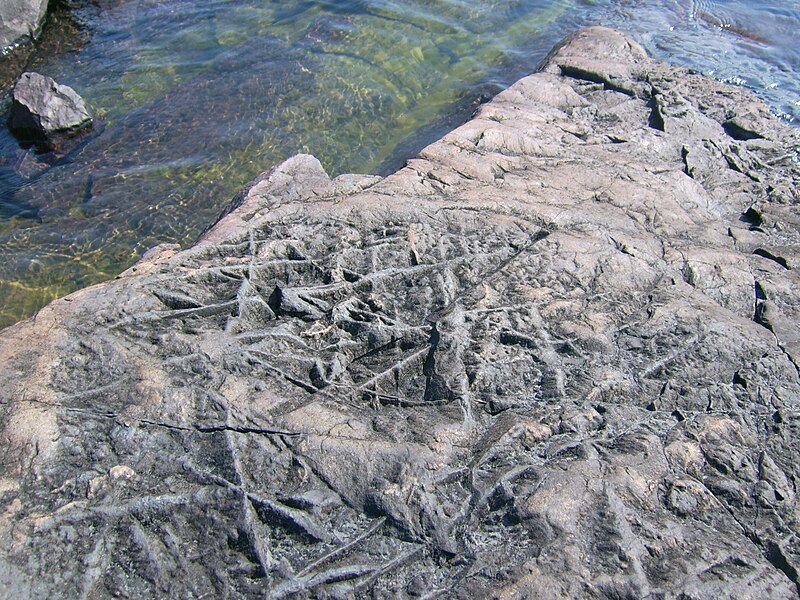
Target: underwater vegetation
x,y
194,99
198,98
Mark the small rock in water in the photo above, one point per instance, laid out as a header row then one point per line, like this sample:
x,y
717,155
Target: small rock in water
x,y
46,113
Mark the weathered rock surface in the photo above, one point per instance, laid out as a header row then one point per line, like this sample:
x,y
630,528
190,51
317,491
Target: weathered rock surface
x,y
555,356
20,20
45,111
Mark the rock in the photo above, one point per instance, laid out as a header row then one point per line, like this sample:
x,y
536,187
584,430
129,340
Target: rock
x,y
46,112
542,360
20,20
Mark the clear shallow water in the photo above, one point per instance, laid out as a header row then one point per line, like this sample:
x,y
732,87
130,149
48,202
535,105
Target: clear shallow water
x,y
196,98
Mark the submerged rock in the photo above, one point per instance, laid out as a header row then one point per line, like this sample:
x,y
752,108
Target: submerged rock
x,y
45,112
20,20
554,356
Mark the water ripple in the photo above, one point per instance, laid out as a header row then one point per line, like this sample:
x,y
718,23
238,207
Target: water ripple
x,y
198,97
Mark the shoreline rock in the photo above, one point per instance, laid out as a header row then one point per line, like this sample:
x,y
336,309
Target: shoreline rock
x,y
556,355
20,21
46,113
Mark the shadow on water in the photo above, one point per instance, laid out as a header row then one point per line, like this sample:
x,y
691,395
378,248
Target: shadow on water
x,y
10,184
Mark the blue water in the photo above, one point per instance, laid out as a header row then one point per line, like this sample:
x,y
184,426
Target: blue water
x,y
196,98
752,44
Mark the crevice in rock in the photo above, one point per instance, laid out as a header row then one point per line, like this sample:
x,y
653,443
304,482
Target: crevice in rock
x,y
176,301
739,133
208,429
656,118
436,388
512,338
790,358
769,549
210,310
205,429
291,519
770,256
759,308
739,380
343,549
245,430
688,275
732,164
754,218
595,77
293,380
685,158
774,554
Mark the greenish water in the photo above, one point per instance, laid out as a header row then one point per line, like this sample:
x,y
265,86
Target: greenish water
x,y
196,98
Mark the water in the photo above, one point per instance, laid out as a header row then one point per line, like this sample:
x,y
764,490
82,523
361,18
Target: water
x,y
196,98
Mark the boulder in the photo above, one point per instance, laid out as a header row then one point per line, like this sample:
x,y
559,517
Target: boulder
x,y
555,356
20,20
46,112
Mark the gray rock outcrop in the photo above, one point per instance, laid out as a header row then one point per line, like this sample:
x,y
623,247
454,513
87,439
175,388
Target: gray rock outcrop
x,y
20,20
556,356
46,112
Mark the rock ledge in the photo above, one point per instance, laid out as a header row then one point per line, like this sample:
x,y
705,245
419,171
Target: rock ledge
x,y
556,356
